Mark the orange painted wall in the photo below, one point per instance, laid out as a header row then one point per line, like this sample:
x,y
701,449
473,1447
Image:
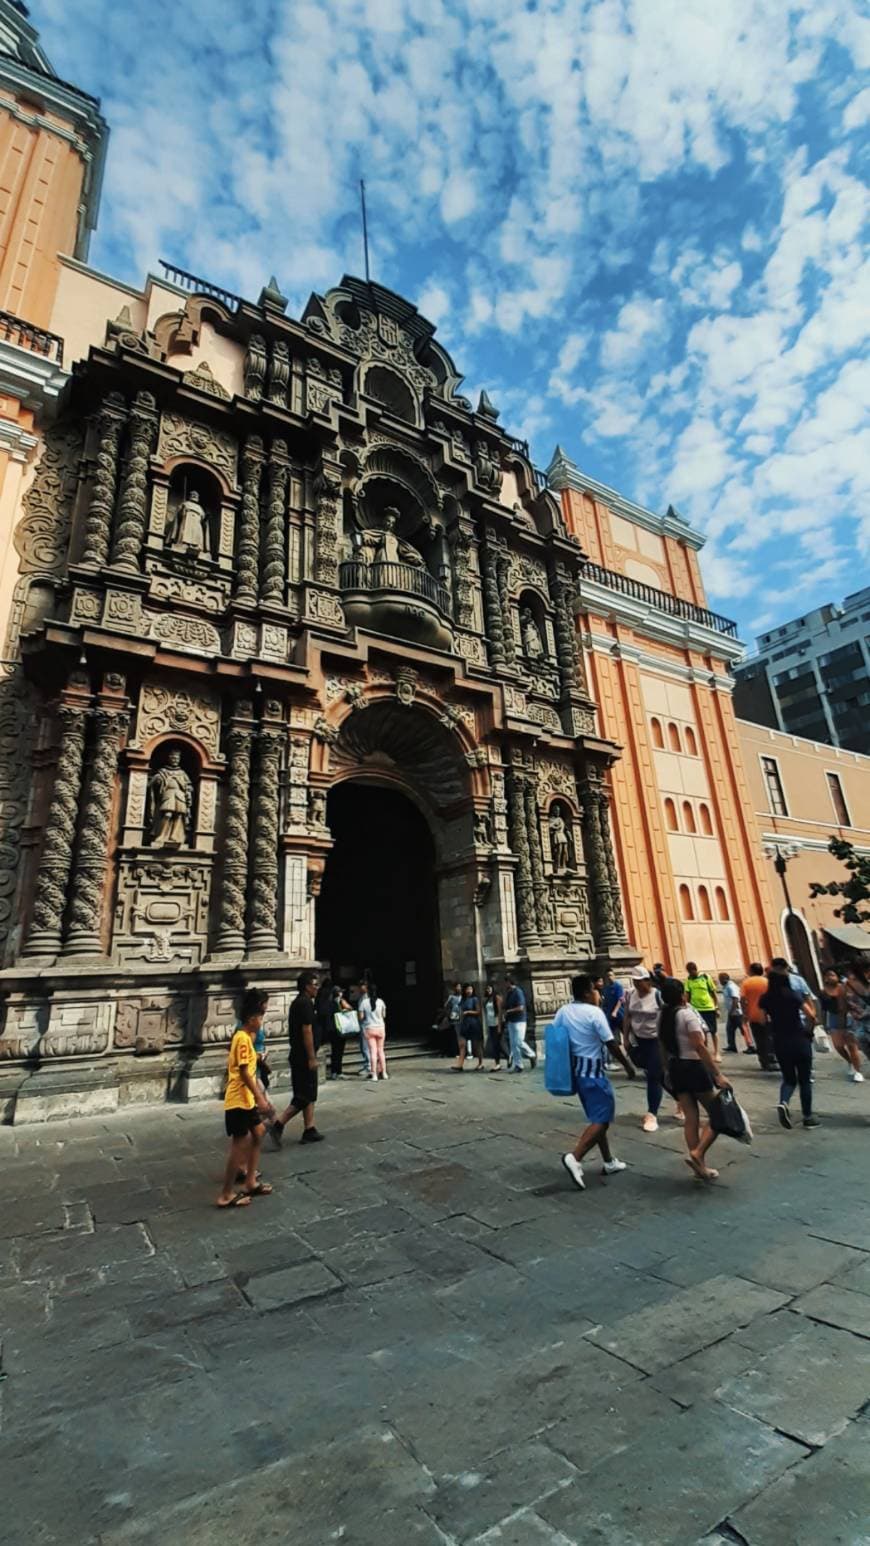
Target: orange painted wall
x,y
41,178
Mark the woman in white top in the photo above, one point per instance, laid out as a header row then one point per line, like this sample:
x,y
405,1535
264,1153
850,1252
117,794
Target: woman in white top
x,y
641,1026
693,1076
373,1019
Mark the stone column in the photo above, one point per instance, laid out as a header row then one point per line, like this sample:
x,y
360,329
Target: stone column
x,y
279,373
601,862
84,926
492,608
618,935
540,889
327,492
248,556
231,929
528,934
133,508
98,521
263,867
504,583
60,831
566,641
273,574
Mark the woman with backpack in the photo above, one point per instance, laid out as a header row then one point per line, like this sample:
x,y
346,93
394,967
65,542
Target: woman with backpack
x,y
691,1073
640,1026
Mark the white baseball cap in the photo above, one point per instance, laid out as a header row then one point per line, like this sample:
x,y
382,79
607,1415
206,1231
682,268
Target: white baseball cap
x,y
639,974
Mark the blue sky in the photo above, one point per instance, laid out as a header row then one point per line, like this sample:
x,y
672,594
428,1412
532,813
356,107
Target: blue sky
x,y
637,223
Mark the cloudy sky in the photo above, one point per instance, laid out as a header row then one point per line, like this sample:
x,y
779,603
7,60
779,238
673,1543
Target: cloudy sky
x,y
637,223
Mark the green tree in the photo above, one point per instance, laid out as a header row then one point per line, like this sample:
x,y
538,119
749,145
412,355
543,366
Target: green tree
x,y
856,890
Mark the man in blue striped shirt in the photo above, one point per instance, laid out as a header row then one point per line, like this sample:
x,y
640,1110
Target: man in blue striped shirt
x,y
589,1034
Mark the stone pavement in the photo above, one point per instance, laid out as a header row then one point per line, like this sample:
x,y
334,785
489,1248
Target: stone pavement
x,y
427,1336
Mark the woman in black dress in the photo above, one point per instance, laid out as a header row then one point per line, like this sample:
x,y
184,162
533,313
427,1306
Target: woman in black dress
x,y
470,1027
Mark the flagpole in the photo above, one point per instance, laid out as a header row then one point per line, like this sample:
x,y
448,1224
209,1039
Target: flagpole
x,y
365,226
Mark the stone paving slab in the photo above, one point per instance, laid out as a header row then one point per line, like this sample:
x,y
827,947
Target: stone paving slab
x,y
291,1285
811,1388
824,1499
837,1306
856,1278
525,1529
686,1322
509,1480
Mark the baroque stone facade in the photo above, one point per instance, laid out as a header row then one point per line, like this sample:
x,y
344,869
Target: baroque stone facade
x,y
246,601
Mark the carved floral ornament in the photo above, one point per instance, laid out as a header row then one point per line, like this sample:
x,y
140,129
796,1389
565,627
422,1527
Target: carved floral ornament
x,y
180,437
163,711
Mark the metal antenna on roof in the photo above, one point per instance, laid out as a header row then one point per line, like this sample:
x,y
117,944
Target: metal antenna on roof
x,y
365,226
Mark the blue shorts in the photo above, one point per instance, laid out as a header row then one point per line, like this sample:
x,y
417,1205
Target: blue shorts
x,y
597,1098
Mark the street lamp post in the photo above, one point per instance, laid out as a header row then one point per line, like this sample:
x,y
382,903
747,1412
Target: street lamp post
x,y
781,853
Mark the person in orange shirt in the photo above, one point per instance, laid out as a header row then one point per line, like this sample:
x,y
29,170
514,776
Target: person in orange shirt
x,y
752,990
245,1104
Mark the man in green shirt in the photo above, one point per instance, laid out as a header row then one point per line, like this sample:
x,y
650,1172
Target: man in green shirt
x,y
704,999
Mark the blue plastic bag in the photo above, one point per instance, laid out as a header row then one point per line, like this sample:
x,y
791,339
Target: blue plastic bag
x,y
558,1066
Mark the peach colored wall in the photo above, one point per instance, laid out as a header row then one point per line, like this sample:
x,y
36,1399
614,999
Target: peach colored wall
x,y
84,303
224,356
618,543
41,177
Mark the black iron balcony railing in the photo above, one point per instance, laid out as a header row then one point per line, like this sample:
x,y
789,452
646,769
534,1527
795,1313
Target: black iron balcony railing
x,y
407,579
13,330
659,600
199,286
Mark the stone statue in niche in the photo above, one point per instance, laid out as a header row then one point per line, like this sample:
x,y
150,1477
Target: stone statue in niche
x,y
533,644
391,549
170,798
560,841
482,829
190,527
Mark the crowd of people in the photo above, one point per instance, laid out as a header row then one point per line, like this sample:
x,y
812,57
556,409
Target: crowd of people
x,y
662,1027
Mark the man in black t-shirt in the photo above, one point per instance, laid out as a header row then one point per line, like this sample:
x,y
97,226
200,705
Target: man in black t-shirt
x,y
303,1064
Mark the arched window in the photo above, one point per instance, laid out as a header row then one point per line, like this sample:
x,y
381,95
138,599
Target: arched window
x,y
706,819
394,394
691,743
704,903
674,738
686,904
658,738
671,816
689,817
722,905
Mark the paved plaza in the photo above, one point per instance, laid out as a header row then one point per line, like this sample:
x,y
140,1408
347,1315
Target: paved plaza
x,y
427,1336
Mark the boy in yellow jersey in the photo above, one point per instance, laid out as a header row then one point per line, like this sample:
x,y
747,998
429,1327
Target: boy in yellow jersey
x,y
244,1105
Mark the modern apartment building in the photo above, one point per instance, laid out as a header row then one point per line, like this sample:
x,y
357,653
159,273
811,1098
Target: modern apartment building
x,y
811,676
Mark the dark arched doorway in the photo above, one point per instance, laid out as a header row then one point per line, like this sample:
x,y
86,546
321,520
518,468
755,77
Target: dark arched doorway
x,y
378,903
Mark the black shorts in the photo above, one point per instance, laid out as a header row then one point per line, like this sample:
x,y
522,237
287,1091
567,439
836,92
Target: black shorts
x,y
688,1076
239,1121
303,1084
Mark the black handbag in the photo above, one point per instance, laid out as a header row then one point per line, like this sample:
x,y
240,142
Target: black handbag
x,y
727,1118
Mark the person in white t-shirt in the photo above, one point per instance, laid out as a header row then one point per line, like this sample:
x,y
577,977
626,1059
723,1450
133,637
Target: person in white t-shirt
x,y
373,1018
589,1034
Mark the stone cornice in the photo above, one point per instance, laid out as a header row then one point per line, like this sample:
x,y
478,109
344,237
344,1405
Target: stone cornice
x,y
563,473
36,381
18,443
677,631
605,644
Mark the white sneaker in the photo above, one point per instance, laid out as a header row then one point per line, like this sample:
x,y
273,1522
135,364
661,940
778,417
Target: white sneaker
x,y
374,1078
575,1170
678,1114
650,1123
385,1076
857,1078
611,1167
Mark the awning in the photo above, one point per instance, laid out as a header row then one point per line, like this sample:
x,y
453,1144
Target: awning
x,y
850,934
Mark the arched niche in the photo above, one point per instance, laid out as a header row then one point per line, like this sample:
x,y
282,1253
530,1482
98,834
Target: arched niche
x,y
391,391
562,834
171,807
534,629
193,512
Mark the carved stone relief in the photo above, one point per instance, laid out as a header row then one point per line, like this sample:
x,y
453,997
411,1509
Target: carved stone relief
x,y
321,607
162,908
163,710
211,597
41,538
181,437
19,716
190,633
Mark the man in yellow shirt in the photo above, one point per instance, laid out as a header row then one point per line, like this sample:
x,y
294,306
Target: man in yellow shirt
x,y
244,1105
704,999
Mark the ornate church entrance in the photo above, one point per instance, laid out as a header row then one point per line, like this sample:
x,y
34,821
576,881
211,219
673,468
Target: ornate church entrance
x,y
378,903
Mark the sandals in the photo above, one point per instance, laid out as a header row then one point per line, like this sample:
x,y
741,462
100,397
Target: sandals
x,y
701,1170
262,1189
238,1200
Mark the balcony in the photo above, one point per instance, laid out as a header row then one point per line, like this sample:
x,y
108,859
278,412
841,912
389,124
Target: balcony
x,y
658,600
402,600
14,330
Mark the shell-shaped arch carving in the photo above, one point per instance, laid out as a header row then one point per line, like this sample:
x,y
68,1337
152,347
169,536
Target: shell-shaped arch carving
x,y
434,753
403,467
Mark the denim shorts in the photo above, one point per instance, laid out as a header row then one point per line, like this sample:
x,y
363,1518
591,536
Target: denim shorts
x,y
597,1098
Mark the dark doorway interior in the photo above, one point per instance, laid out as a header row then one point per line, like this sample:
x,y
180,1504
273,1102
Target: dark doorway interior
x,y
378,903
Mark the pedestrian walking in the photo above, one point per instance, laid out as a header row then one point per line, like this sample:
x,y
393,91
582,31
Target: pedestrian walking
x,y
788,1019
345,1023
731,1009
373,1019
245,1106
641,1027
516,1019
470,1028
492,1014
303,1064
613,1003
858,1004
453,1015
690,1071
835,1009
704,999
752,990
588,1034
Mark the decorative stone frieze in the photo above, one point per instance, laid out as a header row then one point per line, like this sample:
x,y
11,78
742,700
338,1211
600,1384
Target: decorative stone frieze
x,y
180,437
165,710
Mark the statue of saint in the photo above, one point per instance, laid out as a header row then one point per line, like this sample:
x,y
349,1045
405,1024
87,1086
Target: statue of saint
x,y
190,527
560,842
482,833
391,549
532,641
170,795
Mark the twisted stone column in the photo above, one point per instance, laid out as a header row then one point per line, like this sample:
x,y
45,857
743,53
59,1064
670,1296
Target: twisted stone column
x,y
88,880
540,889
526,929
492,608
98,521
263,890
133,509
231,929
600,862
504,588
274,566
566,641
248,555
618,935
60,832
